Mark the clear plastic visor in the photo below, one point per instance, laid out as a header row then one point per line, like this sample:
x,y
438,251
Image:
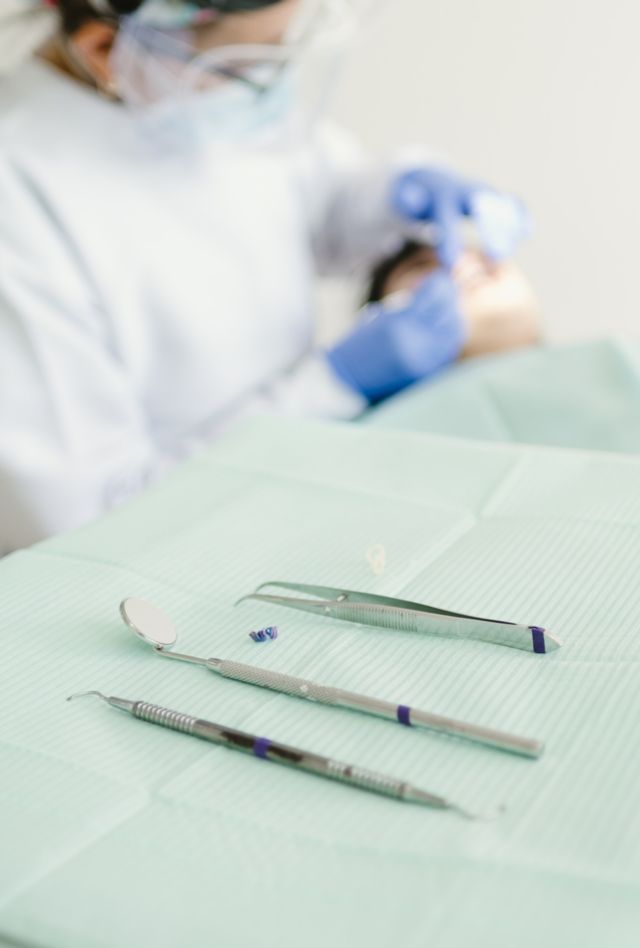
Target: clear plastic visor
x,y
152,64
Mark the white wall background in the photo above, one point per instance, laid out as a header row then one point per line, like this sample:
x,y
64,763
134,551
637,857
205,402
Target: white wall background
x,y
537,96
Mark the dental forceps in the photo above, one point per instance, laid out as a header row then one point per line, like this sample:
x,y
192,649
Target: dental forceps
x,y
406,616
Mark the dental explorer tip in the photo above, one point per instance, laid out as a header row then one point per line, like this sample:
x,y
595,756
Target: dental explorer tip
x,y
85,694
482,817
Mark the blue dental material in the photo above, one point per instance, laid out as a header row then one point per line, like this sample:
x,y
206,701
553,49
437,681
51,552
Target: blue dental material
x,y
265,635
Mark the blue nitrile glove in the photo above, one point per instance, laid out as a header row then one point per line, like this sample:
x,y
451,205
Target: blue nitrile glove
x,y
395,346
442,197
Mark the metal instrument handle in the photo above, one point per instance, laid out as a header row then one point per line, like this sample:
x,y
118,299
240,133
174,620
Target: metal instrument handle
x,y
174,720
337,697
312,763
303,688
526,746
276,681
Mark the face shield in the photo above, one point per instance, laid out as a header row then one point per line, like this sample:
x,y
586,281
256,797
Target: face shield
x,y
194,75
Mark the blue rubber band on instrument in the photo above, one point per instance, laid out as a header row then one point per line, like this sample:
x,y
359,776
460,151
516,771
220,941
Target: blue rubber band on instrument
x,y
537,635
261,747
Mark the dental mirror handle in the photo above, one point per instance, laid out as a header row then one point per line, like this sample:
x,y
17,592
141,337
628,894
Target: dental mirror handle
x,y
301,688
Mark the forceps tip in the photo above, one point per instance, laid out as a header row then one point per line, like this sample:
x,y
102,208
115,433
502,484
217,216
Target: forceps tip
x,y
244,599
256,592
264,586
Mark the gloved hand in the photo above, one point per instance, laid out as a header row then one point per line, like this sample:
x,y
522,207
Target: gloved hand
x,y
442,197
395,346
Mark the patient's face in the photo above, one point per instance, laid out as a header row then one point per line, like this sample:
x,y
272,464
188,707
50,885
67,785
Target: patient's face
x,y
497,301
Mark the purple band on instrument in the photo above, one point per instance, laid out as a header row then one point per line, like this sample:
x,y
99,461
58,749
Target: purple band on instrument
x,y
261,747
404,714
538,639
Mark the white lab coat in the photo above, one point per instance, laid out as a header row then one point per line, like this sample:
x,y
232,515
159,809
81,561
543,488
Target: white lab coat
x,y
148,300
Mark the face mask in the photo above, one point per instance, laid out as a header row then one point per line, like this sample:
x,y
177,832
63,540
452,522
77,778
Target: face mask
x,y
228,113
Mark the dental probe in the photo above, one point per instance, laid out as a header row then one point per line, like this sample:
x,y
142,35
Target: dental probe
x,y
266,749
156,629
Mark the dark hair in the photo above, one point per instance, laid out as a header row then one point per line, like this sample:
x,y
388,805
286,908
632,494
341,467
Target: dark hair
x,y
383,270
77,12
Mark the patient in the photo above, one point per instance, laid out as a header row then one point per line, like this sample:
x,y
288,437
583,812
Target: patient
x,y
498,304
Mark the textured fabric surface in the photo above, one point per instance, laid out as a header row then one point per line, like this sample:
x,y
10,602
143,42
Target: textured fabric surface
x,y
117,833
579,396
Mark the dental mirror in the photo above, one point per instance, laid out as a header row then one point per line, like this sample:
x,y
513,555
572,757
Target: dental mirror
x,y
149,623
154,628
157,630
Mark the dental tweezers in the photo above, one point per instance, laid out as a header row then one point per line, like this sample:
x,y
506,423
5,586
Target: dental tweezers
x,y
406,616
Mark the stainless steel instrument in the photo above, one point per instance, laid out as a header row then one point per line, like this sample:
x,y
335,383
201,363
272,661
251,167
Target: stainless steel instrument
x,y
266,749
406,616
157,630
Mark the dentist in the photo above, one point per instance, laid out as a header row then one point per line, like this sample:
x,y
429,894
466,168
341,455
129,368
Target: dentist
x,y
165,206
